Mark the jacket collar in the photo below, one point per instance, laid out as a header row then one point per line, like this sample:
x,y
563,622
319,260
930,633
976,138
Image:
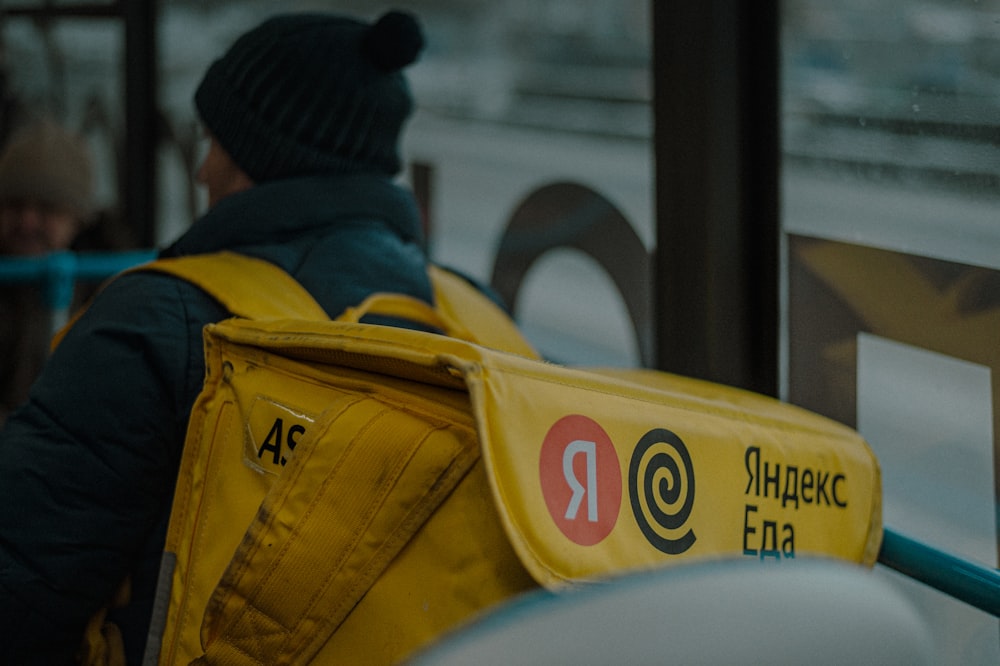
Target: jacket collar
x,y
278,210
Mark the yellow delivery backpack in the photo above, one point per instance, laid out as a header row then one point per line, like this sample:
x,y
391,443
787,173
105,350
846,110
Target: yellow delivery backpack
x,y
350,492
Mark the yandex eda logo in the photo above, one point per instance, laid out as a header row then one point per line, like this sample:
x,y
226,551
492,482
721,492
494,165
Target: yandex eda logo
x,y
582,484
661,487
581,479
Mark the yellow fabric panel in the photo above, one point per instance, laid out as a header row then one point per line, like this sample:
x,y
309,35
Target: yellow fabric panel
x,y
490,326
308,416
246,286
716,474
461,565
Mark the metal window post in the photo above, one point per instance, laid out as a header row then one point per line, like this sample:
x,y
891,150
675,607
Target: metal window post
x,y
716,145
141,129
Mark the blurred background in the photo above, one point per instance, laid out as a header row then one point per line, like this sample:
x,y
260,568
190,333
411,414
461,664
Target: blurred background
x,y
537,153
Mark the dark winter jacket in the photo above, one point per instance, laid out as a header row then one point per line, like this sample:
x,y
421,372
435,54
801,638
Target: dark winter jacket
x,y
87,467
26,318
25,327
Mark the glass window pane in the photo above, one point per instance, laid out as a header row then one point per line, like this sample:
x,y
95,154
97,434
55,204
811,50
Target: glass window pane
x,y
890,191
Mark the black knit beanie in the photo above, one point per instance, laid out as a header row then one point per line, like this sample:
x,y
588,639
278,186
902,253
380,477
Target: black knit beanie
x,y
308,94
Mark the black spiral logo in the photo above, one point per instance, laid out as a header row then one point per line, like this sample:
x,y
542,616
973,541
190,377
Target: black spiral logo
x,y
661,488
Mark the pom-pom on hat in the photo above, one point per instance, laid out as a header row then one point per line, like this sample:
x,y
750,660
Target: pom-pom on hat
x,y
306,94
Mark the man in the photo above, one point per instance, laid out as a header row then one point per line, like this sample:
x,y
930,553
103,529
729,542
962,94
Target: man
x,y
46,200
304,114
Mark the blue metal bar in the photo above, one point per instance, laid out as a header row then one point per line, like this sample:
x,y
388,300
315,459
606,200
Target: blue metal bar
x,y
966,581
102,265
59,271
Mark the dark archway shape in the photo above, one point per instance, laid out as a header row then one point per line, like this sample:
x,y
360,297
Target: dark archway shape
x,y
569,215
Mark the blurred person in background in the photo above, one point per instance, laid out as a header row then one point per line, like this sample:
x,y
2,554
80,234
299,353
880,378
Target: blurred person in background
x,y
46,189
46,201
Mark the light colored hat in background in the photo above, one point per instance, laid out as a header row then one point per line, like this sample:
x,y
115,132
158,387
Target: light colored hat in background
x,y
46,163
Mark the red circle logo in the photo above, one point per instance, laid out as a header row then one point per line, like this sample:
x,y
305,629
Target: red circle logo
x,y
581,479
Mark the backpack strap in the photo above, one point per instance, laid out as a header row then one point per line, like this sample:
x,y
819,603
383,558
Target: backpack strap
x,y
257,289
246,286
487,323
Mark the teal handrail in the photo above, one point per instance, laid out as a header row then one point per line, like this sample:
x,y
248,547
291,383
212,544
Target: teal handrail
x,y
966,581
58,272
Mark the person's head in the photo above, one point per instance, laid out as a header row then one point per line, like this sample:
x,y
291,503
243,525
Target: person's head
x,y
46,189
307,94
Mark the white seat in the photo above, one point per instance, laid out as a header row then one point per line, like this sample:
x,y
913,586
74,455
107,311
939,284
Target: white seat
x,y
804,611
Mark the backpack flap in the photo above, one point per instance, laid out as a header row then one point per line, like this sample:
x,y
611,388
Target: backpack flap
x,y
603,472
